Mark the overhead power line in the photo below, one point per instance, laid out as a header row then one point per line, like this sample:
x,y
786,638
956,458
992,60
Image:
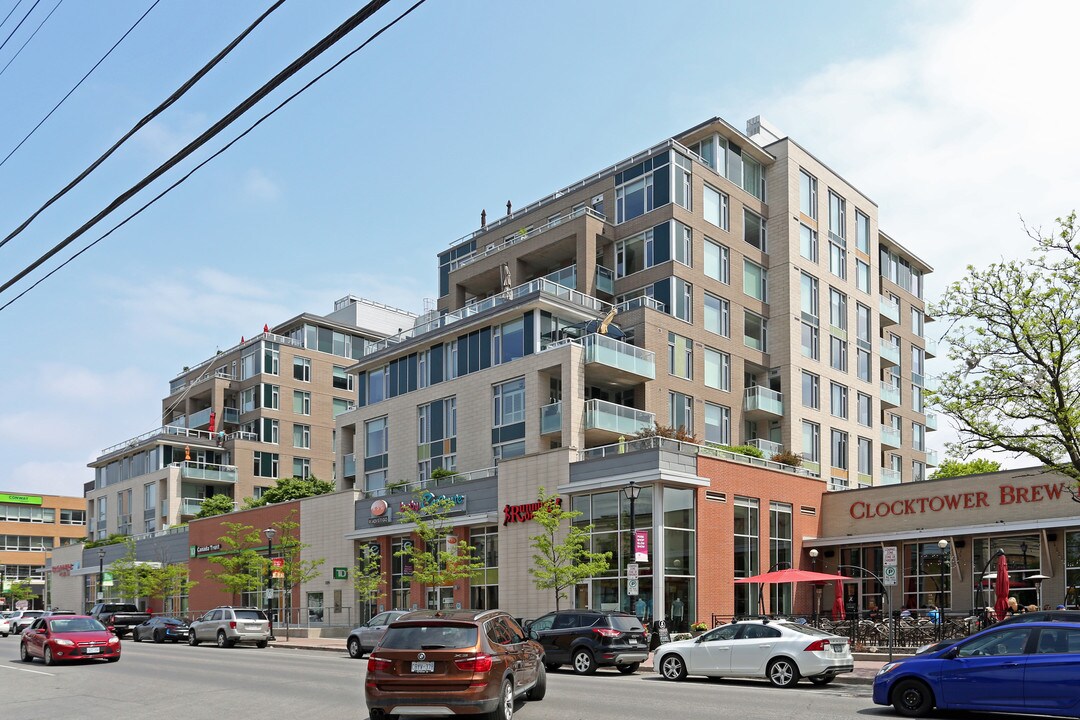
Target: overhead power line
x,y
40,25
295,66
228,145
16,28
69,92
168,102
13,8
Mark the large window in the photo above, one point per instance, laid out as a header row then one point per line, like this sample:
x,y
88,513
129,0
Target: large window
x,y
755,281
681,180
837,309
717,315
301,436
682,295
838,442
634,254
508,341
862,232
807,194
717,424
717,261
746,554
301,467
865,410
862,276
837,216
811,441
838,400
755,331
376,448
808,294
925,569
838,353
716,207
484,584
265,464
28,514
811,343
683,244
754,230
378,380
301,402
717,369
808,243
508,403
811,390
342,380
633,199
780,555
681,412
866,457
680,356
837,260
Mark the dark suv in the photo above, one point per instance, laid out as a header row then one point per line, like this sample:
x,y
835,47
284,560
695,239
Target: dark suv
x,y
588,639
455,662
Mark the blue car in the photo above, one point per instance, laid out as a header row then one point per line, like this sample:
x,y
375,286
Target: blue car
x,y
1030,668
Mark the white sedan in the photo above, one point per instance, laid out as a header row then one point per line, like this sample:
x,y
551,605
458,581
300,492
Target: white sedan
x,y
5,623
779,651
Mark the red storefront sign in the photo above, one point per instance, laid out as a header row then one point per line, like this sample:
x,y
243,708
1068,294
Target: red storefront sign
x,y
523,513
970,500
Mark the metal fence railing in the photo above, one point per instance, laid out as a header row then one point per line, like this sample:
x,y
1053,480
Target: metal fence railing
x,y
871,635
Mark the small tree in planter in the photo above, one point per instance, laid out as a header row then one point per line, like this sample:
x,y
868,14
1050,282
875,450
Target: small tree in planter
x,y
561,565
787,458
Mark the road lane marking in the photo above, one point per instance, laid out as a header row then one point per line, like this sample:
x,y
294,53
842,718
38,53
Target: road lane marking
x,y
36,672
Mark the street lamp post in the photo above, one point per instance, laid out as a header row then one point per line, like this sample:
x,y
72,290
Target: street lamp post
x,y
270,533
817,585
631,492
101,574
3,578
943,545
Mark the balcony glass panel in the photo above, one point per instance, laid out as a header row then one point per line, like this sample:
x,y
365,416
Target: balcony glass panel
x,y
350,465
764,399
890,353
231,415
931,458
890,437
605,280
888,477
551,418
890,394
208,471
603,415
617,354
931,421
889,309
768,447
199,419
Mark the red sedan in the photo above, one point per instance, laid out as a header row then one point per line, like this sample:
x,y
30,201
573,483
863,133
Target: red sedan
x,y
68,637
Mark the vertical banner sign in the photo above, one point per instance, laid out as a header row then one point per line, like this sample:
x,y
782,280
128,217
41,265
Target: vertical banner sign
x,y
641,546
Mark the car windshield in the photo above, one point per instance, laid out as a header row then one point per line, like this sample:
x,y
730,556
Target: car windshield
x,y
250,615
77,625
429,637
626,624
805,629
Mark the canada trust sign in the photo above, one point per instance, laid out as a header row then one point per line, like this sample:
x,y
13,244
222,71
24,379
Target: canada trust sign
x,y
1002,496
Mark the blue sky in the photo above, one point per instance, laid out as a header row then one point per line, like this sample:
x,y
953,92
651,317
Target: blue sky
x,y
956,118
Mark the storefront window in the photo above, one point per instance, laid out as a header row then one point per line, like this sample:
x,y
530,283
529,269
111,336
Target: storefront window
x,y
399,587
1072,569
870,560
484,585
780,555
1022,553
746,555
923,576
678,508
605,511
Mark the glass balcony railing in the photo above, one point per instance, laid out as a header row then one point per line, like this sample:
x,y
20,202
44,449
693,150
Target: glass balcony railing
x,y
617,354
199,419
350,465
605,280
190,506
209,472
768,447
890,437
889,310
762,399
931,421
890,395
931,347
889,477
890,354
567,277
931,458
551,418
603,415
231,415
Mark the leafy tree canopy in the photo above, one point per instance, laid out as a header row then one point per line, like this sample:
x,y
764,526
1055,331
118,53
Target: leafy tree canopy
x,y
955,468
215,505
293,488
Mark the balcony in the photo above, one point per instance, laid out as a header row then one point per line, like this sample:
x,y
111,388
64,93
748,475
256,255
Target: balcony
x,y
551,418
889,477
890,437
931,458
767,447
605,280
607,418
231,415
200,419
349,471
931,347
931,421
890,354
207,472
890,396
864,479
628,362
762,403
889,311
191,506
497,246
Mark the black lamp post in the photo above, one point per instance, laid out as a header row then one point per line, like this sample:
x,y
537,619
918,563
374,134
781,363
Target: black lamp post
x,y
101,574
817,585
3,578
943,546
631,492
1023,551
270,533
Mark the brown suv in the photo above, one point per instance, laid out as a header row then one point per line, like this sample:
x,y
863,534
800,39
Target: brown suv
x,y
458,662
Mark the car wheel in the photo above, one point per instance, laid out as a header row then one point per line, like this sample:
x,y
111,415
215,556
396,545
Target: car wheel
x,y
783,672
821,679
24,654
355,651
222,641
583,663
539,690
191,639
505,711
912,698
135,636
552,667
158,637
628,669
48,656
672,667
262,643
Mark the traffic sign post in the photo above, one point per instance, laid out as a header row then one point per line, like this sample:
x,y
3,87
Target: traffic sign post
x,y
631,586
889,558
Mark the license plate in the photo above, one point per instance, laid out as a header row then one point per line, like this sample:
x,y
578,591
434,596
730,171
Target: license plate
x,y
255,628
92,651
423,667
633,641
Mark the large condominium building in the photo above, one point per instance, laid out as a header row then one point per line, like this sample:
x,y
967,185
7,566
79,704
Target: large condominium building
x,y
233,424
756,302
31,527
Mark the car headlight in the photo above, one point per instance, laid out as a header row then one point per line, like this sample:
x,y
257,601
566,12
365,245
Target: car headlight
x,y
65,643
888,668
114,640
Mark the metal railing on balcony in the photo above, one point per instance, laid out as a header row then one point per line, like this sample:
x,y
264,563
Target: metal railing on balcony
x,y
890,437
496,246
618,354
208,472
890,395
269,336
931,421
762,398
888,476
192,506
409,488
639,302
603,415
551,418
889,309
767,447
164,430
686,448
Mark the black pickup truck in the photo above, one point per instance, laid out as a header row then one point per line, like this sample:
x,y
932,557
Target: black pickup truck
x,y
122,617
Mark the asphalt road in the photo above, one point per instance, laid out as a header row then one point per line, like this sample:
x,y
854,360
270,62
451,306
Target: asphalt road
x,y
176,681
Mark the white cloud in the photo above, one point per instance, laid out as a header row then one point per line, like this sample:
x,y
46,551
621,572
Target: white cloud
x,y
163,138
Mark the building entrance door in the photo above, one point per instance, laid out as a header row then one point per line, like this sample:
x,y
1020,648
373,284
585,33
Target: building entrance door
x,y
441,598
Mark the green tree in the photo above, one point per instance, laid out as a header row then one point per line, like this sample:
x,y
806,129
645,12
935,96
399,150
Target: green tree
x,y
368,576
240,568
295,569
215,505
665,431
132,580
434,560
952,467
19,590
562,559
169,582
293,488
1014,337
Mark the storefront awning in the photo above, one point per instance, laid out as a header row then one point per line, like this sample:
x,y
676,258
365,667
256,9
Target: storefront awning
x,y
376,531
997,528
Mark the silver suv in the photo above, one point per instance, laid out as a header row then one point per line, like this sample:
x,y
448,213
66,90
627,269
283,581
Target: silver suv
x,y
227,625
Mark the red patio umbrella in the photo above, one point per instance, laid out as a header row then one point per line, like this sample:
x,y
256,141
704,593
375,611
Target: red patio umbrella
x,y
838,600
790,575
1001,587
213,419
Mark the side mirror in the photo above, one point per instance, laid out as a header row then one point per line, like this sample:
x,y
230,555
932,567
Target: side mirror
x,y
42,631
951,653
111,629
533,635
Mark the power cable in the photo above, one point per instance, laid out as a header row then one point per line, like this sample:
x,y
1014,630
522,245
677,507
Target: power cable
x,y
16,29
42,23
176,95
13,8
69,92
295,66
232,142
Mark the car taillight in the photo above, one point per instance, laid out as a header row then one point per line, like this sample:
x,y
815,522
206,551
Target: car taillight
x,y
817,646
607,632
477,663
232,624
378,664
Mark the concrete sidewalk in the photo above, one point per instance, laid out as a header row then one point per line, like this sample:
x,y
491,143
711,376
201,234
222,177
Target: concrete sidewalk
x,y
865,669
